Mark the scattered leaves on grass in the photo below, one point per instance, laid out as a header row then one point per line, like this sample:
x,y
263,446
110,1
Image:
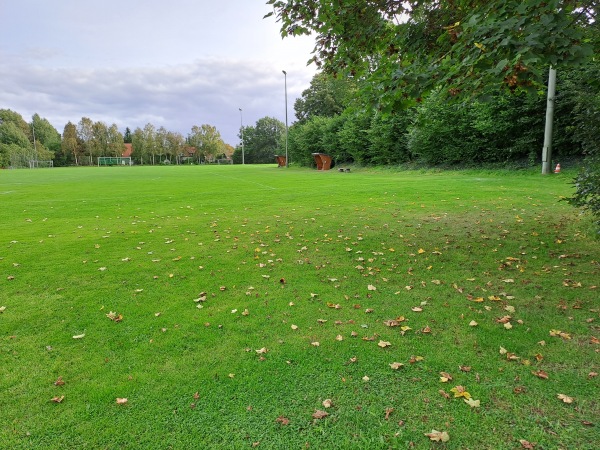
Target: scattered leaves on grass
x,y
558,333
438,436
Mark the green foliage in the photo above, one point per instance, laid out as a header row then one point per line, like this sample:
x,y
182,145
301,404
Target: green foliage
x,y
327,96
587,129
407,49
261,142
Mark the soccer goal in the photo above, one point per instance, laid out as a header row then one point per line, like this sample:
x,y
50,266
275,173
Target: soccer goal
x,y
35,164
114,161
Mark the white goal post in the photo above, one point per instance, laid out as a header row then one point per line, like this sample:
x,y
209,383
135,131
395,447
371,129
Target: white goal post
x,y
114,161
35,164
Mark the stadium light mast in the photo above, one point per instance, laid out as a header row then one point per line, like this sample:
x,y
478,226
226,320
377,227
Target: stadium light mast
x,y
242,128
287,162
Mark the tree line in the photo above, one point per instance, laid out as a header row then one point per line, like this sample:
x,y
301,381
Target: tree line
x,y
22,143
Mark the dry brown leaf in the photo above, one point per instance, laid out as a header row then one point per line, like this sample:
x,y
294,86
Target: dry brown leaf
x,y
540,374
327,403
282,420
58,399
318,414
384,344
388,412
526,444
396,365
59,382
121,401
438,436
565,398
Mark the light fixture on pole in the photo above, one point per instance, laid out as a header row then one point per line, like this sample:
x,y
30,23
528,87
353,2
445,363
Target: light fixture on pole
x,y
242,128
287,164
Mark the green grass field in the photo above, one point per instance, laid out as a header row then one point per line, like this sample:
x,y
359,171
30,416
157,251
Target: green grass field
x,y
232,306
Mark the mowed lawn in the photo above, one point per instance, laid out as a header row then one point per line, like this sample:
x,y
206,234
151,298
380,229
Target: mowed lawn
x,y
251,306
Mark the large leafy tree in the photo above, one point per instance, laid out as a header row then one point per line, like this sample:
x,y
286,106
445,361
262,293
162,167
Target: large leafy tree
x,y
70,144
207,140
327,96
406,48
261,142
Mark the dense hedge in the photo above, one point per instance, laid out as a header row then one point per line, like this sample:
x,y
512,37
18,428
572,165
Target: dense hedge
x,y
500,128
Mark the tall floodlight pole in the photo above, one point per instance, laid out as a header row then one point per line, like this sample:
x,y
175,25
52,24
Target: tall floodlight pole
x,y
287,162
242,128
547,150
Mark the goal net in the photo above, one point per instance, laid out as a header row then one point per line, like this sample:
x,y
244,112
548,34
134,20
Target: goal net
x,y
35,164
114,161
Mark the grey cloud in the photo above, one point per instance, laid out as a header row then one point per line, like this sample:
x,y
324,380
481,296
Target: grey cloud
x,y
176,96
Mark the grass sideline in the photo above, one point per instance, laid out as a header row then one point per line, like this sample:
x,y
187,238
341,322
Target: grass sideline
x,y
228,303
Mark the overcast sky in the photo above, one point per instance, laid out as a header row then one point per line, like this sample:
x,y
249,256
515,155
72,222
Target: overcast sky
x,y
172,63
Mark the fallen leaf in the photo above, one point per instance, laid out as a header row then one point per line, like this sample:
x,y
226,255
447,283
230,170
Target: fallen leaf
x,y
540,374
388,412
384,344
315,344
327,403
565,398
472,403
370,287
438,436
282,420
294,327
318,414
121,401
460,391
472,323
58,399
79,336
365,378
261,351
416,309
59,382
445,377
396,365
526,444
444,394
